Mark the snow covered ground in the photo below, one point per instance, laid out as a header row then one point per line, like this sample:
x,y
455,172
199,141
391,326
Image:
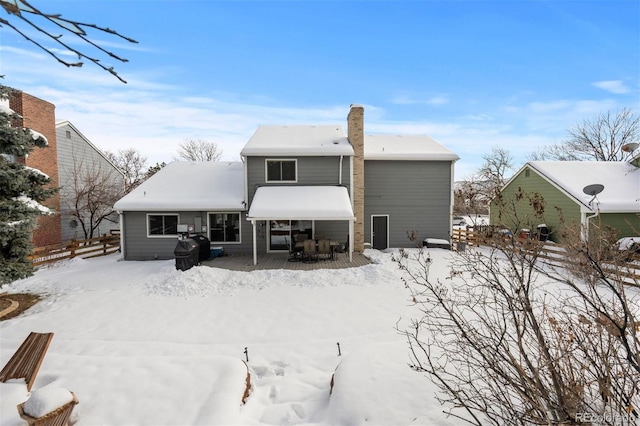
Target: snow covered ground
x,y
140,343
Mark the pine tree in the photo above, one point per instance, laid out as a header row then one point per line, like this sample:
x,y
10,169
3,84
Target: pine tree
x,y
22,189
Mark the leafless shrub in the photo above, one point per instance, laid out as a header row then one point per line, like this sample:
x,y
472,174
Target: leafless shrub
x,y
510,339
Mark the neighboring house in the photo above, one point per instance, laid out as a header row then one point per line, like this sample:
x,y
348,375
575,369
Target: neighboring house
x,y
562,186
82,167
39,115
386,191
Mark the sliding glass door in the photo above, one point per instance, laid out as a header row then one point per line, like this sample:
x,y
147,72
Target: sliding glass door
x,y
283,233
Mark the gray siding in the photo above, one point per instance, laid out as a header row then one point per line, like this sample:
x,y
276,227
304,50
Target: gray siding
x,y
311,171
138,246
417,196
76,158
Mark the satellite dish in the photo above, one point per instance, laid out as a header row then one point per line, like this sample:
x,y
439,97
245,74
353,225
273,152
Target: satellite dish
x,y
630,147
593,190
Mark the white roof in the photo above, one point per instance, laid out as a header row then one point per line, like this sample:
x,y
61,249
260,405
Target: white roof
x,y
301,203
621,182
298,141
189,186
405,147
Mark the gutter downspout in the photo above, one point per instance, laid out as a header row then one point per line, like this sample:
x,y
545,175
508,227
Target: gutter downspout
x,y
585,224
122,246
351,181
351,240
255,247
453,195
340,171
246,182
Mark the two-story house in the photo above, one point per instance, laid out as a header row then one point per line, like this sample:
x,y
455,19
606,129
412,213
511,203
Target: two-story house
x,y
89,184
377,190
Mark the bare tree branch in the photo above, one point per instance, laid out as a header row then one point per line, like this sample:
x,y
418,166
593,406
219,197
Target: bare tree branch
x,y
132,163
199,150
19,9
598,139
510,338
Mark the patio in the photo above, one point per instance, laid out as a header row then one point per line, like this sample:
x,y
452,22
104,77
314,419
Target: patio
x,y
244,262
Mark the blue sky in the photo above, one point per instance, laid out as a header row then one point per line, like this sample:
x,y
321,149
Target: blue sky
x,y
471,74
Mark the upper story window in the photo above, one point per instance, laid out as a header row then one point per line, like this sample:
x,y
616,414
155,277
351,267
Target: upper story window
x,y
282,170
161,225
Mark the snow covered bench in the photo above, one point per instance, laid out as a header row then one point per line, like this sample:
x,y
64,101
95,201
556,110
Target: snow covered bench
x,y
48,406
25,363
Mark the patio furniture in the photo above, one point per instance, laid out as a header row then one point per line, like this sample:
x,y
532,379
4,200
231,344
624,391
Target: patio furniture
x,y
297,248
310,253
57,417
25,363
324,249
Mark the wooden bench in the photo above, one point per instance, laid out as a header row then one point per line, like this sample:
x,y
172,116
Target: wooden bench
x,y
25,363
58,417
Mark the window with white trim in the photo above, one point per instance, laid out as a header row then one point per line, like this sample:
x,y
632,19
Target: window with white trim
x,y
161,225
281,170
224,227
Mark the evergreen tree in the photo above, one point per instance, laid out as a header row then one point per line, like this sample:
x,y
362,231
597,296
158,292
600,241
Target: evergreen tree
x,y
22,189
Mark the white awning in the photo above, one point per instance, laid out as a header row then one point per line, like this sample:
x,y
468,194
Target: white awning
x,y
301,203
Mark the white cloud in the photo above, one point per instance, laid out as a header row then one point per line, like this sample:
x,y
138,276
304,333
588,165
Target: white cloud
x,y
155,116
613,86
435,100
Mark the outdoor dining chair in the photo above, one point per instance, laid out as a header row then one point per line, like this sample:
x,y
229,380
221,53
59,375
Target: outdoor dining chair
x,y
324,249
310,253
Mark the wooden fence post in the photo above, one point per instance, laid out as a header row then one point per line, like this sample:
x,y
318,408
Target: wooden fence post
x,y
74,245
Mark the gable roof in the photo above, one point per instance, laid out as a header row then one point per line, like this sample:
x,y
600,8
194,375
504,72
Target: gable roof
x,y
621,182
189,186
298,141
405,147
62,124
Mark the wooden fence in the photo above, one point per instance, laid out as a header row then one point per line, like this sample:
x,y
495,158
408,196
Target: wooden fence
x,y
84,249
552,253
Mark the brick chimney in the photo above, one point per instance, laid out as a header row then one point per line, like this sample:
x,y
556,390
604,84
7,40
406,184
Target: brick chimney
x,y
39,115
355,133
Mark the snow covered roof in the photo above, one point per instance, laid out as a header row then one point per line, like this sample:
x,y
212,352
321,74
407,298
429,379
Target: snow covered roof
x,y
186,185
405,147
331,140
621,182
298,141
301,203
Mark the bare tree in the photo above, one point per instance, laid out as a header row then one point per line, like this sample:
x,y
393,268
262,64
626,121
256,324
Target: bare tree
x,y
474,194
54,27
511,338
132,163
199,150
597,139
92,191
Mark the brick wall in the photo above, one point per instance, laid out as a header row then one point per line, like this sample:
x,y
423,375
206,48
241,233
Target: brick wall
x,y
355,133
39,115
